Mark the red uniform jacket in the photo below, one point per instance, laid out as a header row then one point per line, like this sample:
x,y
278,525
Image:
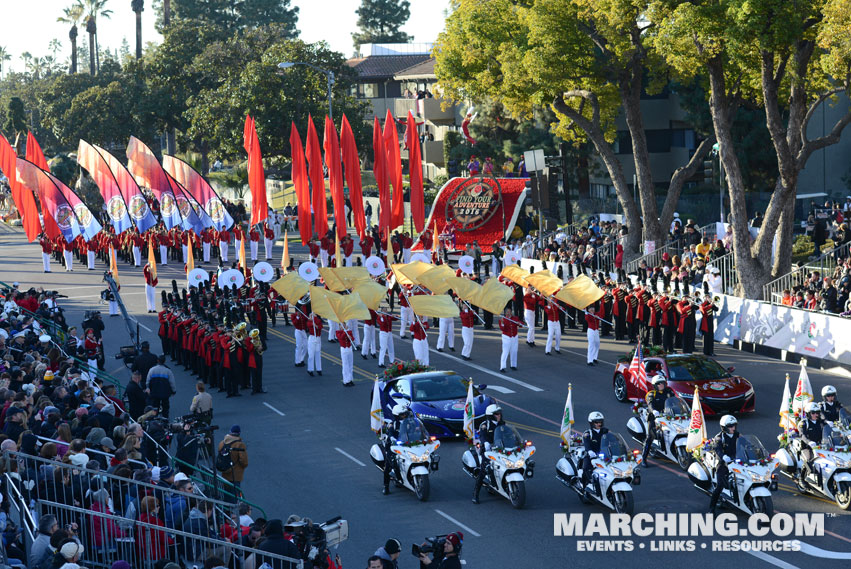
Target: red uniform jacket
x,y
418,329
344,339
508,326
366,246
385,322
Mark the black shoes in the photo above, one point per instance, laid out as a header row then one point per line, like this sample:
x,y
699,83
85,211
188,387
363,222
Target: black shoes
x,y
310,373
386,490
319,372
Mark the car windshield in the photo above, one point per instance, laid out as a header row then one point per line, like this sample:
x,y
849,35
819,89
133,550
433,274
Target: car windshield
x,y
674,406
613,446
507,437
833,439
692,368
749,448
440,387
412,430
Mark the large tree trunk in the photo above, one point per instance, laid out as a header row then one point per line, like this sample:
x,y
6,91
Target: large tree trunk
x,y
170,142
91,53
138,35
166,13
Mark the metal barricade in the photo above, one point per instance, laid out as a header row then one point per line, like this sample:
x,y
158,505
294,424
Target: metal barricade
x,y
108,538
824,264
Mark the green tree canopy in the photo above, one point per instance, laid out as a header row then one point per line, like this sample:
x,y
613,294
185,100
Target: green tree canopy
x,y
381,21
239,14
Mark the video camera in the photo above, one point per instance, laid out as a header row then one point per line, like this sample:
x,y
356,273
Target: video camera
x,y
128,354
433,545
314,539
91,314
54,294
193,420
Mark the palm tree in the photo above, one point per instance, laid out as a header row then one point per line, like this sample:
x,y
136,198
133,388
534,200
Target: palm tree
x,y
138,6
72,16
93,9
4,56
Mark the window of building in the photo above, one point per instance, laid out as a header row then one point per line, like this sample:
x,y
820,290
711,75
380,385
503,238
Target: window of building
x,y
658,140
365,90
623,142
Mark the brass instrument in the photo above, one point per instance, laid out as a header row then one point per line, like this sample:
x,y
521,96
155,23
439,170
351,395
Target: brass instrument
x,y
255,339
716,298
237,336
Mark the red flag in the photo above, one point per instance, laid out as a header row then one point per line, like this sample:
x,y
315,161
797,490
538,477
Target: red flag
x,y
317,180
380,170
394,170
415,171
352,164
23,198
256,176
637,373
302,188
36,156
335,175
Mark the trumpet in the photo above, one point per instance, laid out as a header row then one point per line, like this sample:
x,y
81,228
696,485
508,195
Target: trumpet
x,y
255,339
716,299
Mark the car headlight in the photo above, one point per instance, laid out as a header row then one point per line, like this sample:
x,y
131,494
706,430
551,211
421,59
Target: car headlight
x,y
749,393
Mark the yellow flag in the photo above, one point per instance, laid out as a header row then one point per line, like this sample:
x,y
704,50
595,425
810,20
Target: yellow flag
x,y
493,297
516,274
113,265
434,279
413,270
465,289
332,279
190,256
348,306
371,293
337,254
291,286
580,292
321,305
545,281
285,260
152,260
439,306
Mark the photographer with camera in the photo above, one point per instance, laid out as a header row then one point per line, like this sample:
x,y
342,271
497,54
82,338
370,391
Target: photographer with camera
x,y
446,551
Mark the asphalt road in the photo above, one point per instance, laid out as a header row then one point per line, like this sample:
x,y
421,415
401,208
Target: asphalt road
x,y
309,438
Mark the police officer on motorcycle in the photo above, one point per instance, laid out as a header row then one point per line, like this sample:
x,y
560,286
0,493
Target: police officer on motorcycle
x,y
391,433
493,419
725,448
591,440
655,400
829,406
811,429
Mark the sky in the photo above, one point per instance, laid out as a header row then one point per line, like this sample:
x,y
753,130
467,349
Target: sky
x,y
29,25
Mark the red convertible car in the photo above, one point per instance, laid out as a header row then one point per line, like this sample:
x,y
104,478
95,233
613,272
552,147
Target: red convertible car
x,y
720,391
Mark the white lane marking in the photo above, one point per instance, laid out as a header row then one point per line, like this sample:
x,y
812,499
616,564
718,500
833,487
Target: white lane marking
x,y
772,560
142,325
347,455
818,552
487,371
500,389
459,524
273,409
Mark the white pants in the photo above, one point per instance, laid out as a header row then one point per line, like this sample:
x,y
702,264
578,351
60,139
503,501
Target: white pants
x,y
347,358
205,249
253,246
368,345
185,250
553,335
223,251
93,365
467,337
69,260
494,266
314,353
45,260
405,321
268,243
354,331
593,345
323,256
530,324
332,330
137,256
90,257
421,351
150,297
349,261
237,244
163,255
446,327
385,346
113,307
300,346
509,348
406,255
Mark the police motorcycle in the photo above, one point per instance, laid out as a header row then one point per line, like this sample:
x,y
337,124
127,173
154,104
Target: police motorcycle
x,y
831,473
615,470
414,455
507,464
671,430
751,480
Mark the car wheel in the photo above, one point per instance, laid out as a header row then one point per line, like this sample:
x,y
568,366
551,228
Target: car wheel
x,y
621,393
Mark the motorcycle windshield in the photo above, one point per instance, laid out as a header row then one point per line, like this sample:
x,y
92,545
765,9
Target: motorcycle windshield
x,y
832,439
676,407
412,431
750,449
845,418
507,437
612,446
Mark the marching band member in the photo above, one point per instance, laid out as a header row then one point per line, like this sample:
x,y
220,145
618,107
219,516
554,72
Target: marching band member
x,y
347,247
687,323
326,248
344,338
385,338
46,250
253,242
366,245
314,344
206,240
530,304
313,247
420,344
238,237
468,319
427,239
593,335
224,242
445,327
137,243
256,347
407,243
707,324
164,242
268,240
300,326
551,310
368,345
405,311
508,326
150,288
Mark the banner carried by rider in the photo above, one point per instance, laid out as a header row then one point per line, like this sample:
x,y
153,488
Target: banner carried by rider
x,y
375,414
787,414
567,418
803,392
697,426
469,414
637,373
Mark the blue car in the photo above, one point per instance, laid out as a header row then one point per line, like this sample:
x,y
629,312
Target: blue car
x,y
437,398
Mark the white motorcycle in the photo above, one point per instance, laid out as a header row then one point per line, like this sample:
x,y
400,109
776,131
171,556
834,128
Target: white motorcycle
x,y
671,431
752,476
831,473
507,465
414,454
615,471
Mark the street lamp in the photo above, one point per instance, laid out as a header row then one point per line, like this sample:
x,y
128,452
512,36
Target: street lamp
x,y
328,74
